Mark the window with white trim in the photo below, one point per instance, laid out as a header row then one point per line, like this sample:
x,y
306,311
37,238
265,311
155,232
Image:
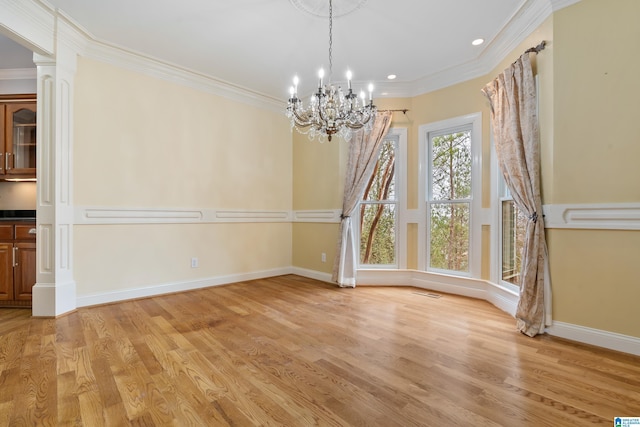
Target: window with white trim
x,y
378,210
451,156
449,200
512,228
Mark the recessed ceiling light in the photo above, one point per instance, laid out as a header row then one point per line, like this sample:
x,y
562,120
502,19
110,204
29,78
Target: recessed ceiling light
x,y
391,76
477,42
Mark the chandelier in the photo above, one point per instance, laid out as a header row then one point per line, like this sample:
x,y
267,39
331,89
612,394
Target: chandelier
x,y
330,110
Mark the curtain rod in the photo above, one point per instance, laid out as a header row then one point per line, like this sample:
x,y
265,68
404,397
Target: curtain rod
x,y
537,48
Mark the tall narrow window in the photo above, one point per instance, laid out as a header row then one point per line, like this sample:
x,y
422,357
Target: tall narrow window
x,y
378,210
513,230
449,200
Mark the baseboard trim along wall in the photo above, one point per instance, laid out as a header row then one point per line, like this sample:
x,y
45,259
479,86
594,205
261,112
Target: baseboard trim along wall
x,y
168,288
311,274
610,340
502,298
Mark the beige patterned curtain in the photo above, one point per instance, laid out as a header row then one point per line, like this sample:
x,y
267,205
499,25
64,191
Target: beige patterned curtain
x,y
515,128
364,149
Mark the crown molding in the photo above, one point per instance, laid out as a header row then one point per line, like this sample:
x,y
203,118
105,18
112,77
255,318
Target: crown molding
x,y
18,74
29,22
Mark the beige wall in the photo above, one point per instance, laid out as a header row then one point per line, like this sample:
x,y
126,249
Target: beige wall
x,y
318,173
595,160
310,241
123,257
596,102
142,142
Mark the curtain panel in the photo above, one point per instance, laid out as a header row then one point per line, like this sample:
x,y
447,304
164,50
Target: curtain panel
x,y
364,149
514,117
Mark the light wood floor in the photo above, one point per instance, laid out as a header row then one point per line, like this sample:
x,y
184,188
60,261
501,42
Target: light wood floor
x,y
296,352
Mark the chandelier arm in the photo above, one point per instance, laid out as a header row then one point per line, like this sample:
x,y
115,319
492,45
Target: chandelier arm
x,y
303,119
302,123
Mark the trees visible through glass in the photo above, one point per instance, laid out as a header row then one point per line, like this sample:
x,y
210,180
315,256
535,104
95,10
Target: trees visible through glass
x,y
450,201
378,211
514,224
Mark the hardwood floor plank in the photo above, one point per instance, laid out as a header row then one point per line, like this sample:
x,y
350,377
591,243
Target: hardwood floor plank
x,y
298,352
68,404
92,410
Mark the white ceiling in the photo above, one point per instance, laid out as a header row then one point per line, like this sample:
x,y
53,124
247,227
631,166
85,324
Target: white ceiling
x,y
260,44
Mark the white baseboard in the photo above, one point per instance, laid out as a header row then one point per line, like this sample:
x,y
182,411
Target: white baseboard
x,y
51,300
502,298
312,274
168,288
458,286
597,337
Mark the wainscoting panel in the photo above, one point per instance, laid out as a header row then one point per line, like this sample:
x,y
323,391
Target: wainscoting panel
x,y
109,215
97,215
324,215
601,216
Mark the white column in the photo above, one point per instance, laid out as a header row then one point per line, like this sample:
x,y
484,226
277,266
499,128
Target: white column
x,y
55,290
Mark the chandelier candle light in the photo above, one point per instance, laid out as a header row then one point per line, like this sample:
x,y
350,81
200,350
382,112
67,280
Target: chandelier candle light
x,y
330,110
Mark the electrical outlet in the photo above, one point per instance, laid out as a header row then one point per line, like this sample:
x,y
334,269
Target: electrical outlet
x,y
194,262
324,257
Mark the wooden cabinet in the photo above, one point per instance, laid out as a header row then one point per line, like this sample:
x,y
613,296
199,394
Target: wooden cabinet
x,y
18,137
17,263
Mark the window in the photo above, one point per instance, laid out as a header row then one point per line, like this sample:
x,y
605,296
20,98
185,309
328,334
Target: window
x,y
378,210
513,226
452,215
449,201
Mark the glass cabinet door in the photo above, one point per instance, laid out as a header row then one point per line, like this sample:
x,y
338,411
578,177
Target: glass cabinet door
x,y
21,152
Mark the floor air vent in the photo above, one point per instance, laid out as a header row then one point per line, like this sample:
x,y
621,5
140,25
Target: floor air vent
x,y
428,294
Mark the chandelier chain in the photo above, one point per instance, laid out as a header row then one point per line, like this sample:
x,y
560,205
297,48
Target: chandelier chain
x,y
330,40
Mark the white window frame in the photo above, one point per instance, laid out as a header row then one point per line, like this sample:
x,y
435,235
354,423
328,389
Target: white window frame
x,y
475,216
399,135
503,196
499,194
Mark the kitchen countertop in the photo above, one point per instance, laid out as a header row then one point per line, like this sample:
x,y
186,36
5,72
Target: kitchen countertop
x,y
17,215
